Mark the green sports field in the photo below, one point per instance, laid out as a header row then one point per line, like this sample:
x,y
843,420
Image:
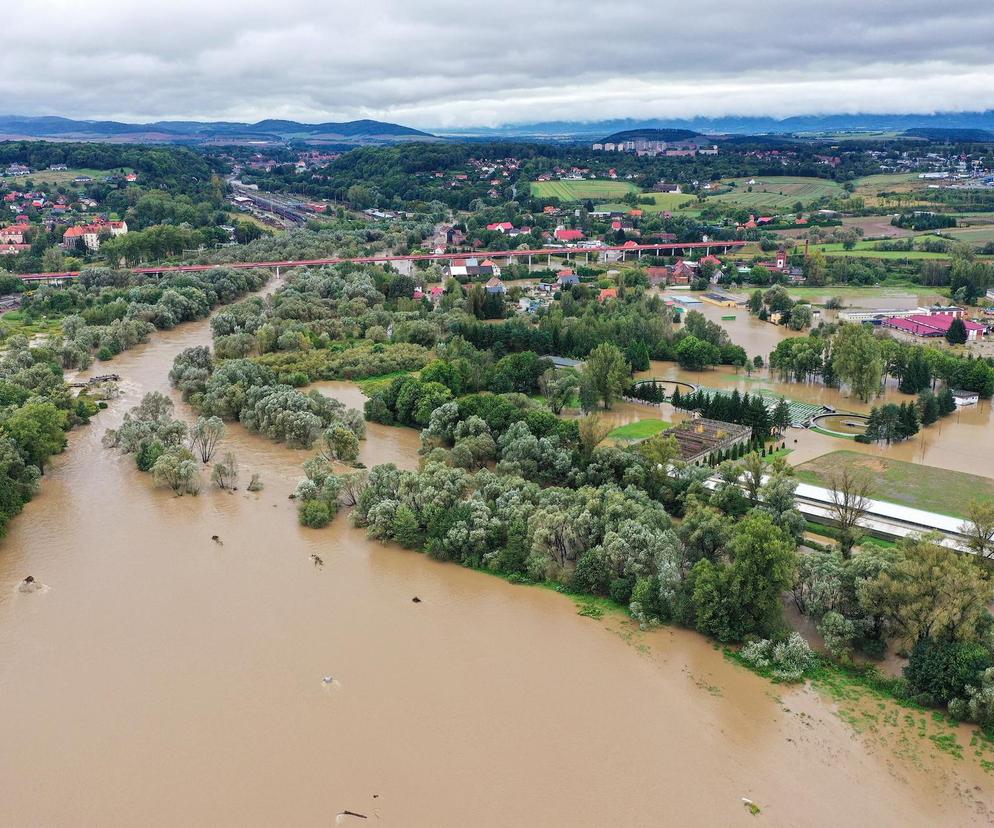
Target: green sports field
x,y
55,178
662,202
777,192
639,430
582,190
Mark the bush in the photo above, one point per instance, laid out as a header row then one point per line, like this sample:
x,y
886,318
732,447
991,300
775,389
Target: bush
x,y
785,661
621,590
941,670
105,353
314,514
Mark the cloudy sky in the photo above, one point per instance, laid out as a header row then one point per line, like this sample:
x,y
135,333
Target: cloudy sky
x,y
446,63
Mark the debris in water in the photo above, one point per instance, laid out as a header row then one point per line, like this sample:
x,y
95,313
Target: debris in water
x,y
328,679
754,809
341,817
318,560
29,584
217,540
415,600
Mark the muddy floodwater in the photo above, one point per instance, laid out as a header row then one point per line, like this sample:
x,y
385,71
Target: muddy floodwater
x,y
166,679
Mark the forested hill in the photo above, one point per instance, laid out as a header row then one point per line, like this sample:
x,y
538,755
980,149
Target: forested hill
x,y
193,132
653,135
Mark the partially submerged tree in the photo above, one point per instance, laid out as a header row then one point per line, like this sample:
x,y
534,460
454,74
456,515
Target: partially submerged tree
x,y
177,468
225,472
205,437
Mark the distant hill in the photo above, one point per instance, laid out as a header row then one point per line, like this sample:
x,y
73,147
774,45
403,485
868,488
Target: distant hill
x,y
738,125
215,132
651,135
942,134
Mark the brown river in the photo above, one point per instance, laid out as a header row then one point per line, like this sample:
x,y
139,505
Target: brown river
x,y
165,679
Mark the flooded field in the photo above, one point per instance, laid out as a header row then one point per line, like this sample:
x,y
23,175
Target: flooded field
x,y
166,679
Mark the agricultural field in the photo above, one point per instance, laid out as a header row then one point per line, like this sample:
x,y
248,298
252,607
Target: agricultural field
x,y
907,484
866,250
978,235
62,178
877,226
777,192
870,185
582,190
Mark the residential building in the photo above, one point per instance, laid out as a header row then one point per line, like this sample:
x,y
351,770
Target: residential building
x,y
565,235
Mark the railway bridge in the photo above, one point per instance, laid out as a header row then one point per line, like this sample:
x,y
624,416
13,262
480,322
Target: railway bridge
x,y
625,252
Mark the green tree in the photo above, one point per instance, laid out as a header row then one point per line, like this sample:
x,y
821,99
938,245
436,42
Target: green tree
x,y
979,528
38,430
314,514
606,372
177,468
932,592
696,354
956,335
928,404
856,360
742,598
917,376
942,670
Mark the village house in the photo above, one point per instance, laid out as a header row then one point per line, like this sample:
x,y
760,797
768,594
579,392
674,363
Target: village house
x,y
495,285
566,277
472,267
565,235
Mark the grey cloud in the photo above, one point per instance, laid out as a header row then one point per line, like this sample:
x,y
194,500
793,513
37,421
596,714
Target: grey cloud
x,y
445,63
